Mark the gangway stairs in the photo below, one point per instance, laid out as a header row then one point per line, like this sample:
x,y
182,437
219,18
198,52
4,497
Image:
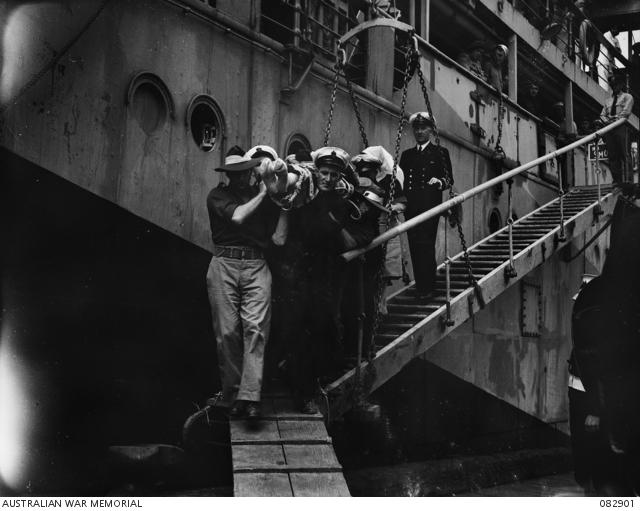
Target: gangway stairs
x,y
413,325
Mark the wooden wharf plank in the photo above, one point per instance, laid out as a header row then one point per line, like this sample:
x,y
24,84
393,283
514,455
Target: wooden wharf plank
x,y
262,485
285,453
319,485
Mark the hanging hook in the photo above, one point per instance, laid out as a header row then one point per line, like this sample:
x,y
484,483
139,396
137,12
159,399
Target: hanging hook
x,y
414,37
341,56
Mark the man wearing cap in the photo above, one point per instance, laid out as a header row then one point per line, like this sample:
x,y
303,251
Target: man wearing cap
x,y
239,281
319,231
476,56
494,68
618,106
427,169
369,203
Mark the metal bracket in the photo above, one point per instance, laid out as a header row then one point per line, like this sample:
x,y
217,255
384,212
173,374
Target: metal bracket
x,y
378,22
477,97
478,130
510,273
597,213
292,88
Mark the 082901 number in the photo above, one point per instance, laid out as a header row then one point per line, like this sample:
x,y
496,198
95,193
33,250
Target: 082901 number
x,y
616,503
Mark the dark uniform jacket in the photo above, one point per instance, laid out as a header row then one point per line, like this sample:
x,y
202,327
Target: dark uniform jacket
x,y
419,167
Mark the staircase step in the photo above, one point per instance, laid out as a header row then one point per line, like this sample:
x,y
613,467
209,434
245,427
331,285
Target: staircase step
x,y
405,308
403,318
394,328
381,340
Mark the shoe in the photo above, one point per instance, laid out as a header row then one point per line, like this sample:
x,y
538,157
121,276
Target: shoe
x,y
239,409
309,407
253,411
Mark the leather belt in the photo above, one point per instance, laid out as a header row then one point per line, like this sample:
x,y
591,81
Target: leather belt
x,y
238,252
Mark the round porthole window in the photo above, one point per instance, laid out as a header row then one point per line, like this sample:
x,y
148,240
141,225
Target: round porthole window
x,y
205,122
150,101
495,220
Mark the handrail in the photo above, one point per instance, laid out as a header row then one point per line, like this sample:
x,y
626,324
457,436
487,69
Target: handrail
x,y
458,199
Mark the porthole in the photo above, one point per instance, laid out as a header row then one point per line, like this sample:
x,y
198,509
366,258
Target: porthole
x,y
205,122
296,143
149,101
495,220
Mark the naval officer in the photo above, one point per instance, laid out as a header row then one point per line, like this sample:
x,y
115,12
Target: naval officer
x,y
427,170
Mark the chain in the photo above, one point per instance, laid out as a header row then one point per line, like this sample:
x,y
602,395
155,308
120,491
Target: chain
x,y
378,279
561,236
498,150
454,212
356,109
334,91
410,55
510,271
586,166
379,296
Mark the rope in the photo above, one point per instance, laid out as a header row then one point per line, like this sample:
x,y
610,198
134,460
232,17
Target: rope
x,y
49,65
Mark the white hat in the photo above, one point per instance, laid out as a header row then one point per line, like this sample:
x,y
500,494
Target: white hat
x,y
236,163
260,151
423,118
332,156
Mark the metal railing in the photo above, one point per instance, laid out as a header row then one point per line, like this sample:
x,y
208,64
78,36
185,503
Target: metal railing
x,y
487,185
567,19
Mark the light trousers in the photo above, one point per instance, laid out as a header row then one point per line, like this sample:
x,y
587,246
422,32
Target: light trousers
x,y
240,299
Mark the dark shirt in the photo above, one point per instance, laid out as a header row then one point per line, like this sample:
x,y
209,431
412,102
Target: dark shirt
x,y
419,167
255,231
313,228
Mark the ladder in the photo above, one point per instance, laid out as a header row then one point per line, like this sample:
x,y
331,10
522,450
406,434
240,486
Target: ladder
x,y
413,325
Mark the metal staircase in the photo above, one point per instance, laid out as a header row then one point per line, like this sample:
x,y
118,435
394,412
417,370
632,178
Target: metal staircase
x,y
413,325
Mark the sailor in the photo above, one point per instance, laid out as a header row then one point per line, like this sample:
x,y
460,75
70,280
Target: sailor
x,y
618,106
321,229
368,203
427,169
239,281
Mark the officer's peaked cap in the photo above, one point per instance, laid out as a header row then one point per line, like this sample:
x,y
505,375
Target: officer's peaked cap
x,y
332,157
422,118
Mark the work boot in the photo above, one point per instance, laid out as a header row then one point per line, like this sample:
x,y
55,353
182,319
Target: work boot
x,y
253,411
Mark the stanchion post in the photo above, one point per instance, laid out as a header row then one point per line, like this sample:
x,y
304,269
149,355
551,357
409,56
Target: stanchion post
x,y
562,236
447,321
598,209
510,271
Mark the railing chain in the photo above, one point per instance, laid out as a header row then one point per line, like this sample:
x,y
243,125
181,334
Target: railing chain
x,y
598,209
510,271
562,236
446,321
